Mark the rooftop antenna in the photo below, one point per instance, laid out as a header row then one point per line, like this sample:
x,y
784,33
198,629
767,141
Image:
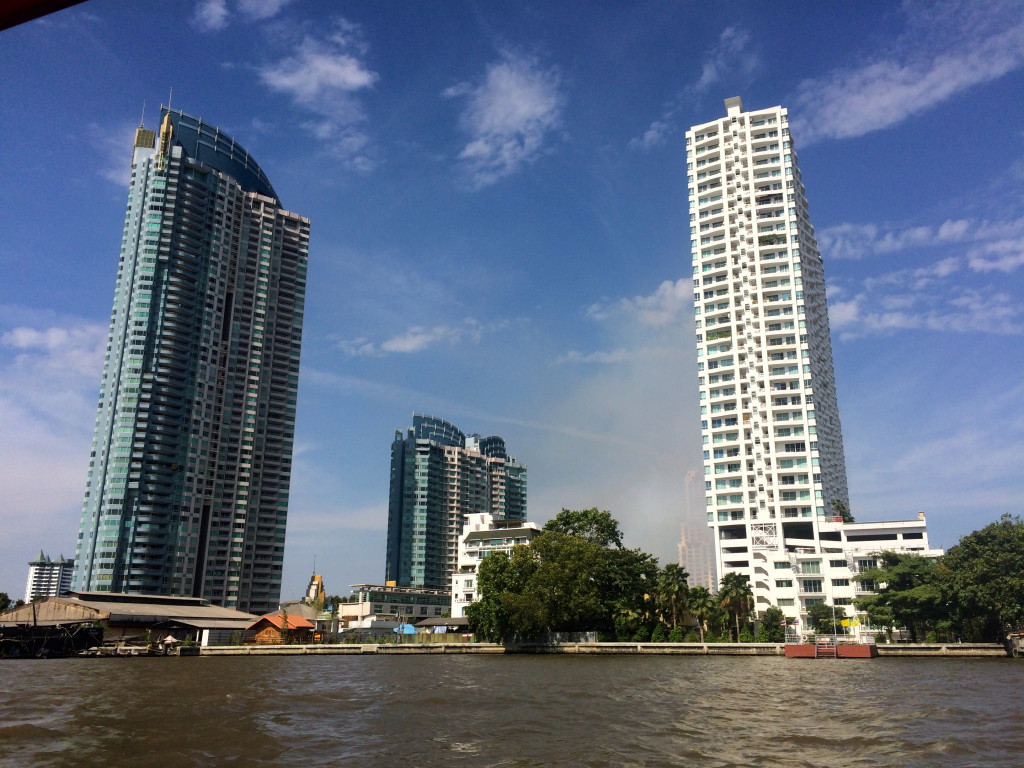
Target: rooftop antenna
x,y
314,565
170,93
142,120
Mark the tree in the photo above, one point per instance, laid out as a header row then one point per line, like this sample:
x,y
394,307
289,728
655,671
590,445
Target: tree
x,y
598,527
673,585
736,597
565,582
910,587
5,601
983,580
824,618
702,606
842,510
773,629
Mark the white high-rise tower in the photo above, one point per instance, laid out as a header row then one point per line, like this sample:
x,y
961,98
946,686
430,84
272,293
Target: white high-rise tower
x,y
773,449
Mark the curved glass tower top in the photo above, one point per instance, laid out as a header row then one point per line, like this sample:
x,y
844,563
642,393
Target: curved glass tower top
x,y
208,144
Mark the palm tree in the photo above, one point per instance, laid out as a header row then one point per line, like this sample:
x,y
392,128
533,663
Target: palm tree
x,y
736,596
702,605
673,586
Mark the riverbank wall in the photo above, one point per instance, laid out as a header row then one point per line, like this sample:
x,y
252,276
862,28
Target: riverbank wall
x,y
942,650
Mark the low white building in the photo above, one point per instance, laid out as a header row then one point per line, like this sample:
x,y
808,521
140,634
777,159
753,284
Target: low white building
x,y
481,536
823,570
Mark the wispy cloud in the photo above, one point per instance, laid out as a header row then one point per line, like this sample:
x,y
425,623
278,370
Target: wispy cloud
x,y
215,15
323,77
49,378
111,147
946,49
854,241
508,116
660,308
729,57
416,339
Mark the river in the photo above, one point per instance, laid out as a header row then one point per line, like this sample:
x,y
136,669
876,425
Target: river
x,y
477,711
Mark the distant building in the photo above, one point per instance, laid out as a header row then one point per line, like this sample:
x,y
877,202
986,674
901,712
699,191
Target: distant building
x,y
482,536
697,555
439,476
391,601
48,578
189,475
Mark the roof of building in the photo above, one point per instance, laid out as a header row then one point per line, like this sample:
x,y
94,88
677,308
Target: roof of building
x,y
441,621
120,608
503,533
291,621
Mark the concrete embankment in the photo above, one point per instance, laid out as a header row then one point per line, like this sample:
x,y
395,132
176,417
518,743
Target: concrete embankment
x,y
950,650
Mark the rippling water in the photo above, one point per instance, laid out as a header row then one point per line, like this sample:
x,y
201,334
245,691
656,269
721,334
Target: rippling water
x,y
511,711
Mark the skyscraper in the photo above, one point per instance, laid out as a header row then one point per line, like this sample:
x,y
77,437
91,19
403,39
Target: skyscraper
x,y
189,474
773,449
438,476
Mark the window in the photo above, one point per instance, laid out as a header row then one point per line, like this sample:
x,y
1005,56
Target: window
x,y
810,566
837,563
779,565
840,582
810,602
783,583
786,602
811,585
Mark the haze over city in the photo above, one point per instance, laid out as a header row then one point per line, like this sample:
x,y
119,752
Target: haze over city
x,y
500,236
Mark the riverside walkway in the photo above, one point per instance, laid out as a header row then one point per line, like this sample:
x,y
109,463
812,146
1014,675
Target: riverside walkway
x,y
945,650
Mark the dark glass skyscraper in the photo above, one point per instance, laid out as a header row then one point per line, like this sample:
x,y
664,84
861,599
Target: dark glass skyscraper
x,y
191,460
438,476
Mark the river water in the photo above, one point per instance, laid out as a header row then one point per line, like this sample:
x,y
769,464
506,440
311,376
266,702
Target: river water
x,y
475,711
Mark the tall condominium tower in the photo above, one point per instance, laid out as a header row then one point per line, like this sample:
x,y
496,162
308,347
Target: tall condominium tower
x,y
438,476
48,578
191,459
773,449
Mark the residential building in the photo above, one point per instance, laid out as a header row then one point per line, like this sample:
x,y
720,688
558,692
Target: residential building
x,y
439,475
774,470
392,601
187,491
482,536
48,578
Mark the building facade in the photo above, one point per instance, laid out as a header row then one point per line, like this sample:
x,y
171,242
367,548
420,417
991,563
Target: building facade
x,y
481,536
48,578
774,468
188,483
439,475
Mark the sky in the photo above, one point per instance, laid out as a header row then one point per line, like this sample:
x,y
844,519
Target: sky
x,y
497,193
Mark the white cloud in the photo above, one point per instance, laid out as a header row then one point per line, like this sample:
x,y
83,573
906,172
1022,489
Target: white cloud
x,y
1001,255
111,146
211,15
947,49
508,116
664,306
49,380
214,15
323,77
416,339
262,9
854,241
728,58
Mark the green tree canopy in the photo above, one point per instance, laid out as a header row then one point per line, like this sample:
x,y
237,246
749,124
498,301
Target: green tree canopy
x,y
5,601
983,580
825,619
597,526
736,596
772,628
702,605
672,588
909,587
564,582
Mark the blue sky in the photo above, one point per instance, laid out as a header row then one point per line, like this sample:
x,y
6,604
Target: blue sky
x,y
499,237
